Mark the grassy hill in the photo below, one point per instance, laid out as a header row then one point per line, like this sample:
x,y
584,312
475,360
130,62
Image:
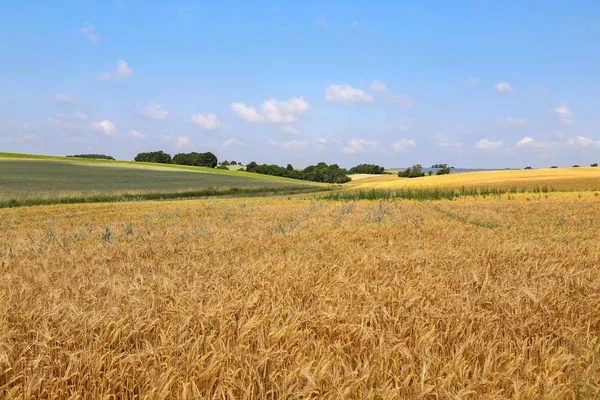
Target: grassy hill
x,y
30,179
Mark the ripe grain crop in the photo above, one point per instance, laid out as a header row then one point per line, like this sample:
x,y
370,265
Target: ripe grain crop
x,y
492,297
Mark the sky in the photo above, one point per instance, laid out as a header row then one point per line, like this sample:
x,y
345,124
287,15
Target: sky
x,y
475,84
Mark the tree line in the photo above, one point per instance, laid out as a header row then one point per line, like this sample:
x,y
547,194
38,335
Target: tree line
x,y
93,156
316,173
207,159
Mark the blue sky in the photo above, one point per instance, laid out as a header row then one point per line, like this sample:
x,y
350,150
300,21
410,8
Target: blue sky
x,y
469,83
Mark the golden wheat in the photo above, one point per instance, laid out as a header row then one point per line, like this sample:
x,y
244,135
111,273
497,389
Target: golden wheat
x,y
471,298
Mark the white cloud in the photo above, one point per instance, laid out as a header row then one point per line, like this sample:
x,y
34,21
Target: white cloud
x,y
232,142
209,122
403,127
503,88
525,141
292,144
400,99
106,127
19,138
122,72
564,114
136,134
559,135
510,121
284,111
166,138
485,144
582,141
246,113
63,98
322,22
472,82
359,146
377,86
289,129
154,111
444,143
345,94
274,111
403,145
89,30
356,24
182,141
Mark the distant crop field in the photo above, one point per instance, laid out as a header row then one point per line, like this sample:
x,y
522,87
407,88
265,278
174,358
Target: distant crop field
x,y
585,178
478,297
20,178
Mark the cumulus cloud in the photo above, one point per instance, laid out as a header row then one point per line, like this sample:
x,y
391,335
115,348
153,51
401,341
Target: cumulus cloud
x,y
444,143
503,88
403,144
514,122
182,142
274,111
359,146
136,134
292,144
377,86
485,144
90,31
105,126
284,111
564,114
208,122
472,82
246,113
63,98
289,129
582,141
232,142
345,94
322,22
154,111
525,141
121,73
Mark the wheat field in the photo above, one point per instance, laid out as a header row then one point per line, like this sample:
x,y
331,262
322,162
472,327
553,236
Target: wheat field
x,y
583,178
494,298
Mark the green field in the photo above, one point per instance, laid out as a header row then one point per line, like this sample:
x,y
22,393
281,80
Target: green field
x,y
43,179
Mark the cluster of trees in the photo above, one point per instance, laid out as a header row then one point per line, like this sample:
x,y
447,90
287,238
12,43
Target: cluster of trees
x,y
415,172
94,156
226,163
439,166
154,157
317,173
367,169
207,159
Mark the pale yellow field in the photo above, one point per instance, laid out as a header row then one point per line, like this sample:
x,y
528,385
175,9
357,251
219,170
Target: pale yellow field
x,y
477,298
557,178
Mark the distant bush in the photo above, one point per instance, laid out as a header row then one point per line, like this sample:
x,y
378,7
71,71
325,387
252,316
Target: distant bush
x,y
415,172
93,156
207,159
367,169
575,166
154,157
528,168
594,164
554,166
440,166
316,173
222,167
442,171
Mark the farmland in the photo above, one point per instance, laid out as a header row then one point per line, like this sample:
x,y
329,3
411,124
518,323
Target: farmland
x,y
30,179
298,297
